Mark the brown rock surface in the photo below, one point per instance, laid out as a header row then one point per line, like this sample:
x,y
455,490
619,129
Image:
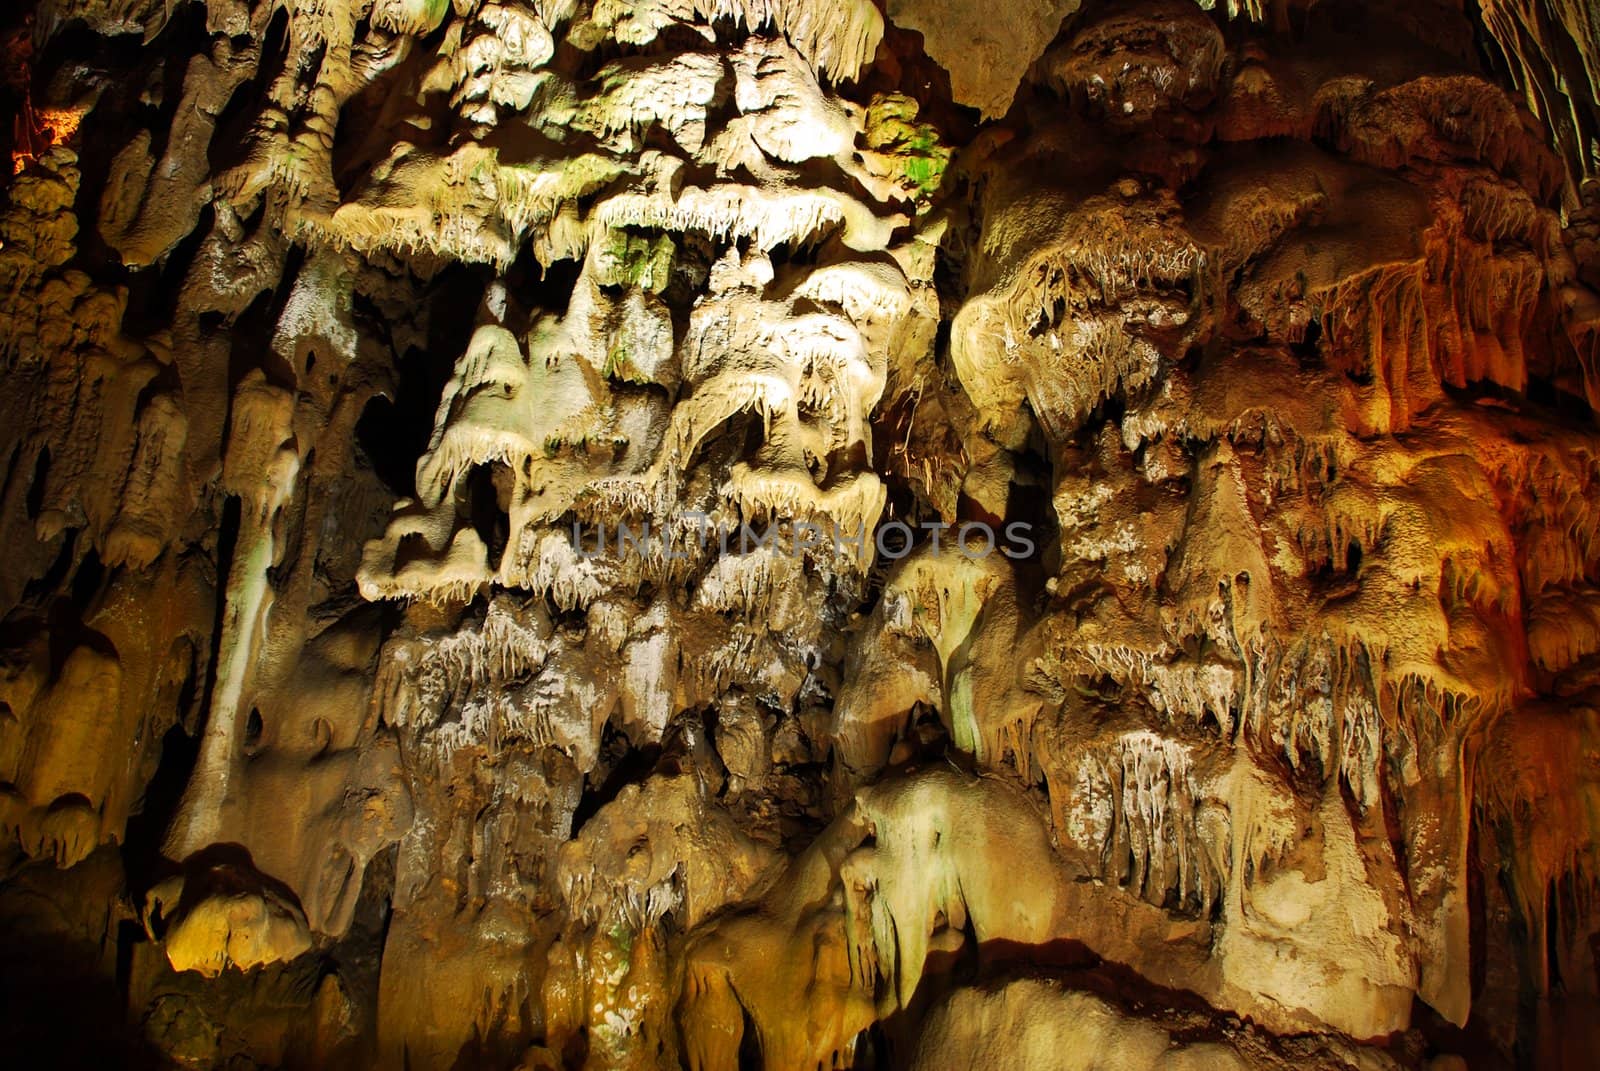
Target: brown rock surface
x,y
800,534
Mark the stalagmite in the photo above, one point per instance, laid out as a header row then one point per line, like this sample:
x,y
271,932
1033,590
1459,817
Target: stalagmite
x,y
260,448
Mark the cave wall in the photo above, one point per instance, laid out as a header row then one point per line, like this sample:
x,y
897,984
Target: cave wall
x,y
800,533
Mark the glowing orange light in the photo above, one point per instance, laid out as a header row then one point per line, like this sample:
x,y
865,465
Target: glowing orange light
x,y
45,127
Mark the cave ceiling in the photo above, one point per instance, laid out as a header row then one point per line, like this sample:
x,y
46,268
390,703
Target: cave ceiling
x,y
797,534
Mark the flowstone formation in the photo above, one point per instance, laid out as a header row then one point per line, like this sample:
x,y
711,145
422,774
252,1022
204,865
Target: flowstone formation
x,y
800,534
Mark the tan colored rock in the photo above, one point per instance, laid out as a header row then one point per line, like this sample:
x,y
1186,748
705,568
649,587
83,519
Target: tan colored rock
x,y
986,57
220,913
456,458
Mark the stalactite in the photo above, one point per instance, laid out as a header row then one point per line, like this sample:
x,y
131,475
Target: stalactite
x,y
799,533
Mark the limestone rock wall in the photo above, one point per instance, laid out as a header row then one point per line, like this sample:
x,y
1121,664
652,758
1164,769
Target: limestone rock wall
x,y
800,533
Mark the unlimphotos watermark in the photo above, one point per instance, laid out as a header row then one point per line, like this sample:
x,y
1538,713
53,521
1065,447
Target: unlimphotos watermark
x,y
892,541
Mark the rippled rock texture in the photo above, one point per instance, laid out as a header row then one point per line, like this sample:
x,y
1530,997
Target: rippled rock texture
x,y
785,534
